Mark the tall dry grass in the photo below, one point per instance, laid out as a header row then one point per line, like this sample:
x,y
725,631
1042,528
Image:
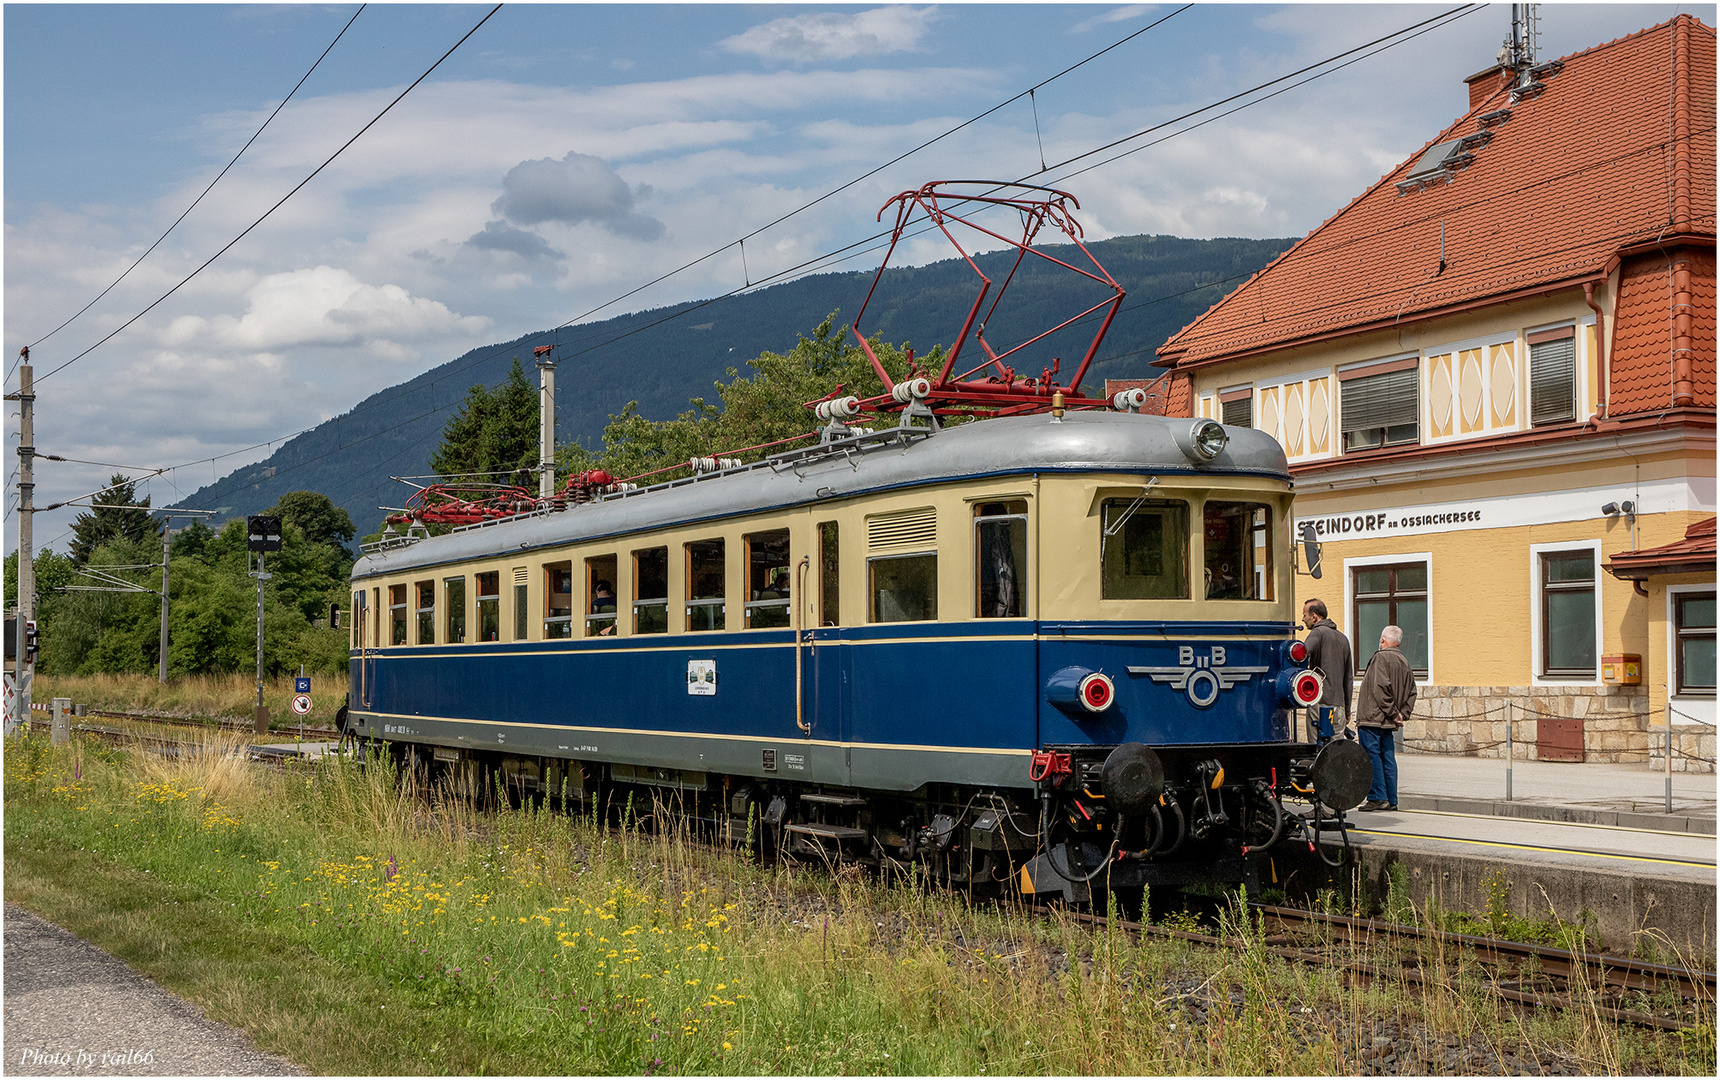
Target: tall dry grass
x,y
212,697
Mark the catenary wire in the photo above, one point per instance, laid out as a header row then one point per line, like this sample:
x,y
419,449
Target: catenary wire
x,y
277,205
206,190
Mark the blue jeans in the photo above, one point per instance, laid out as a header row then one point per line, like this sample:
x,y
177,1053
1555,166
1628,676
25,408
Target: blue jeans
x,y
1383,752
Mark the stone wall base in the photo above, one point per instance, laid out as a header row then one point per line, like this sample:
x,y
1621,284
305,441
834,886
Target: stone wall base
x,y
1472,720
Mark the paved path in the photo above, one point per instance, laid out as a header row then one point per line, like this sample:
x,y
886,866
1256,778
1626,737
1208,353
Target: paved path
x,y
73,1010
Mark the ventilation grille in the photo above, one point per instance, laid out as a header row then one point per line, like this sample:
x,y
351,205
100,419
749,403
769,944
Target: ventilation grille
x,y
908,529
522,575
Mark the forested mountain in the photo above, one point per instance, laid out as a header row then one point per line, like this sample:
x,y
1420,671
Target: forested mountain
x,y
662,357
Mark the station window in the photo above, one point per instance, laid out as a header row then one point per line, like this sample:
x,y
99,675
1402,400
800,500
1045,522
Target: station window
x,y
1394,595
1553,376
1236,407
1693,623
397,614
651,591
455,589
490,606
1000,559
706,573
829,574
558,600
768,591
1568,613
1378,405
522,606
426,613
1237,537
600,595
904,588
1143,549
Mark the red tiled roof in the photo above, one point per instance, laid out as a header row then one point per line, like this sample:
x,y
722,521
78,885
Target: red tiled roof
x,y
1692,554
1617,151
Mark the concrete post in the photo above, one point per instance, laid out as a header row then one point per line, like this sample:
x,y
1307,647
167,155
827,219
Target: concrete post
x,y
62,721
546,427
166,552
1669,757
24,673
1510,707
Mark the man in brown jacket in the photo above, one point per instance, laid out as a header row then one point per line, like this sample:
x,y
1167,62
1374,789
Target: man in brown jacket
x,y
1384,702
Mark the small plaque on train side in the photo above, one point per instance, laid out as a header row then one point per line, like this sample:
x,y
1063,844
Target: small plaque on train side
x,y
770,760
702,677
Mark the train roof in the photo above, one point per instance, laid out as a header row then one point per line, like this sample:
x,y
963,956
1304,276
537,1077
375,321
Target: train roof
x,y
859,464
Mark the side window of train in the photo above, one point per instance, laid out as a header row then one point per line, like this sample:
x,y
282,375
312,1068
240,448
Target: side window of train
x,y
829,575
558,600
358,618
397,614
902,566
651,591
706,608
490,606
426,613
767,579
1143,549
600,595
455,590
1238,546
522,603
1000,559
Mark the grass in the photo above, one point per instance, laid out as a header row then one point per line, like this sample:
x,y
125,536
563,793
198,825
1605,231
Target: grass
x,y
213,697
357,928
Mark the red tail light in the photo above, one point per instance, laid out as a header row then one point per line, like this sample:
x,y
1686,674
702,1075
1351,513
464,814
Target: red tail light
x,y
1097,692
1298,652
1307,687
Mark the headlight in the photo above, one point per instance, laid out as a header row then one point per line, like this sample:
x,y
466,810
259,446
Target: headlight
x,y
1202,441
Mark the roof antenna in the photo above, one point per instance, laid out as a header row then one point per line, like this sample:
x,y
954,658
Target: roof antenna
x,y
1518,53
1441,248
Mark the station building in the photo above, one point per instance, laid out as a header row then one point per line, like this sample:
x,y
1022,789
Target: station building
x,y
1493,373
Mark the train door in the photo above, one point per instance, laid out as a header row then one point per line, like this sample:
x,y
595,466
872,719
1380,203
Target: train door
x,y
365,634
826,655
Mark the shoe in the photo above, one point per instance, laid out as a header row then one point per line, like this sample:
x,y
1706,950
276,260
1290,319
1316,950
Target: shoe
x,y
1376,804
1393,806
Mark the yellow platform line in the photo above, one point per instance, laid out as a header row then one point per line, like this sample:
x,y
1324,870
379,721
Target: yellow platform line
x,y
1535,847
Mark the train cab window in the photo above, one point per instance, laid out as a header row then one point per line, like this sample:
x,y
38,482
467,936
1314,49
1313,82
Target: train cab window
x,y
376,616
767,579
904,588
522,607
651,591
397,614
705,580
1000,559
1237,536
426,613
600,596
455,590
490,606
558,600
829,575
1143,549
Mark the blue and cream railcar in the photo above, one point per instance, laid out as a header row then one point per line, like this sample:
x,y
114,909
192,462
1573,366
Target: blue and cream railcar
x,y
900,643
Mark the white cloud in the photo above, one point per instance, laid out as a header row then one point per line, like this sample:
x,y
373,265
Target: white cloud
x,y
1130,11
330,307
803,39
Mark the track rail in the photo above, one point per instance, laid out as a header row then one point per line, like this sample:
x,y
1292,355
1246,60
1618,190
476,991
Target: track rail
x,y
218,723
1527,974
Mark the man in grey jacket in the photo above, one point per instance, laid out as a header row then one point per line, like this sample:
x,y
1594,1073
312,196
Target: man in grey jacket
x,y
1329,654
1384,702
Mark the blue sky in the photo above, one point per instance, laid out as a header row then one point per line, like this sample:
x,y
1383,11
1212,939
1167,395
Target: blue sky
x,y
568,154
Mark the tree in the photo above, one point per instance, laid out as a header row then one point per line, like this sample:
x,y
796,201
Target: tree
x,y
495,432
768,406
117,515
322,521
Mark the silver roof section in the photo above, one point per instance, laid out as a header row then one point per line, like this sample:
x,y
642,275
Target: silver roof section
x,y
859,464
